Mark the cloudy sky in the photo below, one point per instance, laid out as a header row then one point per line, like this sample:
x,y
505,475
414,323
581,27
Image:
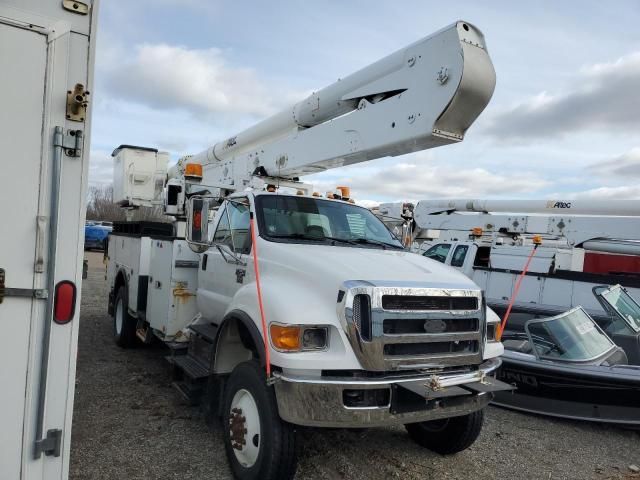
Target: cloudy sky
x,y
564,121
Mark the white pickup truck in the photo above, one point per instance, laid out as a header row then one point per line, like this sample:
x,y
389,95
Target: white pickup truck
x,y
290,309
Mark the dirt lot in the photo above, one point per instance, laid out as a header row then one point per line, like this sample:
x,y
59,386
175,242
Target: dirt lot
x,y
130,424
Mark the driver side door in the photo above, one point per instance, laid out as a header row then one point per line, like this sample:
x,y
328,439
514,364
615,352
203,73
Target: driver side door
x,y
224,265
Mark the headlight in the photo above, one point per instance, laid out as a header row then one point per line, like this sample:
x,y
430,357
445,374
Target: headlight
x,y
297,338
491,332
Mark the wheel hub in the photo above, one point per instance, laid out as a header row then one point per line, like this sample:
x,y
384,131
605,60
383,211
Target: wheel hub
x,y
244,428
237,428
119,316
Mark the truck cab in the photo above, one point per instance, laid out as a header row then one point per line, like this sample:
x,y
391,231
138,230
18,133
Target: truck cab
x,y
302,239
462,255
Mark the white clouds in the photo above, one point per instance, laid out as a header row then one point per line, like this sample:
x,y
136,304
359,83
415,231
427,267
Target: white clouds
x,y
625,192
415,180
626,165
198,80
603,97
100,168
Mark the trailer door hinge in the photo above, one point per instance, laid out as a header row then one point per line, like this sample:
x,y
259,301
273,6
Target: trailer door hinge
x,y
71,143
20,292
50,445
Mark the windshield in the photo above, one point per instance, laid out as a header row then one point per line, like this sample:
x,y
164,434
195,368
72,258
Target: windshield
x,y
314,220
624,305
572,336
439,252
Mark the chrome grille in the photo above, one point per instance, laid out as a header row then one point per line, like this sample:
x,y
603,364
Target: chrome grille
x,y
362,316
387,337
420,302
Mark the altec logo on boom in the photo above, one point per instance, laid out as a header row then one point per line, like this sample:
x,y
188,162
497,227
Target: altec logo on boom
x,y
552,204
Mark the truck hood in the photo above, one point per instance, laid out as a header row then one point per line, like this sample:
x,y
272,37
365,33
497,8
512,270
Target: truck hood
x,y
335,264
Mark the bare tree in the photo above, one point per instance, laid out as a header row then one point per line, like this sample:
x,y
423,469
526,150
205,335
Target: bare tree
x,y
100,206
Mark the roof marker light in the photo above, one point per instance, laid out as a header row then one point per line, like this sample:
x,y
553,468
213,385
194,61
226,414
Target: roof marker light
x,y
193,170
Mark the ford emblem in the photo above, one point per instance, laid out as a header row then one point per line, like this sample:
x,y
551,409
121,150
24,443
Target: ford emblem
x,y
435,326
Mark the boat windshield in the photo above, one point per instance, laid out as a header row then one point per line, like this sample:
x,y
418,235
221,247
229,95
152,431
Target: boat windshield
x,y
623,305
299,219
572,336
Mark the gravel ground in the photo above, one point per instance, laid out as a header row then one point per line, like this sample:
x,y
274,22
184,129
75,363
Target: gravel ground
x,y
130,424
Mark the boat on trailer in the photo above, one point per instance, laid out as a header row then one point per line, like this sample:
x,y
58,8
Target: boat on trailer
x,y
620,319
566,366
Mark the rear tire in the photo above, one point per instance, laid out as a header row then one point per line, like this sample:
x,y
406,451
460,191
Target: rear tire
x,y
449,435
268,444
124,325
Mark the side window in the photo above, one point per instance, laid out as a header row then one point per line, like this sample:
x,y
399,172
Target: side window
x,y
459,255
483,257
438,252
240,226
223,232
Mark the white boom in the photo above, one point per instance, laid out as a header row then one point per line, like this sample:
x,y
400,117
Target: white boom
x,y
553,207
422,96
576,221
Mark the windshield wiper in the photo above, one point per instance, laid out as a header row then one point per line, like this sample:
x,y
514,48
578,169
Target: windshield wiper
x,y
376,242
349,241
302,236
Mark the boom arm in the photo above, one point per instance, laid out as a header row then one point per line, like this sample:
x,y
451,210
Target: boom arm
x,y
423,96
588,223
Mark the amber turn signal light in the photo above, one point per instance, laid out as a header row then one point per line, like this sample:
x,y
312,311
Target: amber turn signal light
x,y
285,338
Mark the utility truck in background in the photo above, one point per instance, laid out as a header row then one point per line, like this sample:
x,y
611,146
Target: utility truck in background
x,y
585,244
46,60
282,308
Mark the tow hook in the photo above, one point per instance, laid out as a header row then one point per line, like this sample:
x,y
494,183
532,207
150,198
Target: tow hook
x,y
237,428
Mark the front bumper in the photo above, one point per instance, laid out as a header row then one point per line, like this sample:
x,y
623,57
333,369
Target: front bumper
x,y
321,401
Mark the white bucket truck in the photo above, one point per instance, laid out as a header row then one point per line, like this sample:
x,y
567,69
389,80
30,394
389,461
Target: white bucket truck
x,y
290,309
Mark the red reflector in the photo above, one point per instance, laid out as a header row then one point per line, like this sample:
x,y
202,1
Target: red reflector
x,y
64,304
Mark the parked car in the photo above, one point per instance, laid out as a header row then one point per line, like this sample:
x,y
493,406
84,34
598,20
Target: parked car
x,y
95,235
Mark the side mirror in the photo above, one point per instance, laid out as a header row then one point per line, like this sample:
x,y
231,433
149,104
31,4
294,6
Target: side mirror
x,y
197,233
229,255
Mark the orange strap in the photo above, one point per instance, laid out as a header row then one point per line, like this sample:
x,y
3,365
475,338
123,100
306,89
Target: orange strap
x,y
254,246
515,292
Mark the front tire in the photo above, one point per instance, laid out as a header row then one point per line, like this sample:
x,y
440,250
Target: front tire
x,y
449,435
259,444
124,325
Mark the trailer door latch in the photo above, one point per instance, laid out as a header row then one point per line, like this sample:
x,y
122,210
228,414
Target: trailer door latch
x,y
19,292
50,445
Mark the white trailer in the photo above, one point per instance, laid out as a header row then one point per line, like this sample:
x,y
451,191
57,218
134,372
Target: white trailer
x,y
46,60
307,311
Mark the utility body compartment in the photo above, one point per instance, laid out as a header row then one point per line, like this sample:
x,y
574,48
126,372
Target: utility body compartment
x,y
173,278
160,272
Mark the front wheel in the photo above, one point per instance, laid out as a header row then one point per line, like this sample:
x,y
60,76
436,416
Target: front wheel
x,y
449,435
259,444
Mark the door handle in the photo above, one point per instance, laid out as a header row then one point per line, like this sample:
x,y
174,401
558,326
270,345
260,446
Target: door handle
x,y
204,261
